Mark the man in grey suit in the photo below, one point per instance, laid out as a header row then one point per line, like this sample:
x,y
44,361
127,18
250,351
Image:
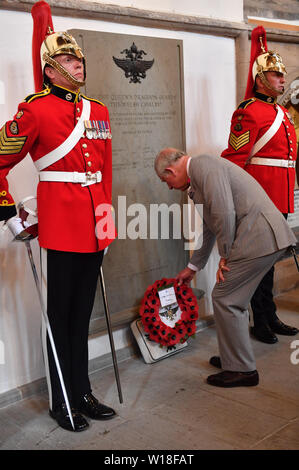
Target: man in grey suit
x,y
251,235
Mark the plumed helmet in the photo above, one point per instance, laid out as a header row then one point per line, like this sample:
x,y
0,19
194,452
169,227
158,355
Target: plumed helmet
x,y
46,44
261,61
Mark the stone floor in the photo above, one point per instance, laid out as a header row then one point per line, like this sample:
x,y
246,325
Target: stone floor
x,y
169,405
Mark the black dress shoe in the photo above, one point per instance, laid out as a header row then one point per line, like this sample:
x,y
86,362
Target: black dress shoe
x,y
216,362
91,407
280,328
264,334
61,415
229,379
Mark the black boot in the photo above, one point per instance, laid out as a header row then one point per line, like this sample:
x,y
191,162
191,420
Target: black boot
x,y
280,328
91,407
61,415
263,333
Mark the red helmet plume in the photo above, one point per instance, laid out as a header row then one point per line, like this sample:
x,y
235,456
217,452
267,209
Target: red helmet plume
x,y
258,47
42,27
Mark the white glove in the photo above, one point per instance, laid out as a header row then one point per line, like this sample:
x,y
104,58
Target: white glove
x,y
16,225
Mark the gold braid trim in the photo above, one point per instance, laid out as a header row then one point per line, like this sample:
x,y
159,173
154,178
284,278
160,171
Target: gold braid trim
x,y
62,70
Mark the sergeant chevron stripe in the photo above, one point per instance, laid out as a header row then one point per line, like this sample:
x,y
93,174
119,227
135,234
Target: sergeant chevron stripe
x,y
239,141
10,145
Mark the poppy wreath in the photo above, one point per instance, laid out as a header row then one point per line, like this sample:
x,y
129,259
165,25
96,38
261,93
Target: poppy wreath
x,y
157,330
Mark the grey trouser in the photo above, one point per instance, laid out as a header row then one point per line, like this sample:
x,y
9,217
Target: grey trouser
x,y
230,301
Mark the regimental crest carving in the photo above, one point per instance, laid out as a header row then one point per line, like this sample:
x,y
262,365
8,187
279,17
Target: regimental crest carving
x,y
133,65
169,312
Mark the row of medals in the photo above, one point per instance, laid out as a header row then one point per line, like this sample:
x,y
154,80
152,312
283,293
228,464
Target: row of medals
x,y
97,129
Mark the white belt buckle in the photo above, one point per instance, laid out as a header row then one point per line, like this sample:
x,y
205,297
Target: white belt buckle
x,y
99,176
291,163
92,178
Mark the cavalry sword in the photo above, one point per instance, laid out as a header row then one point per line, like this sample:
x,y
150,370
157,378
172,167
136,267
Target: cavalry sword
x,y
49,330
109,328
25,236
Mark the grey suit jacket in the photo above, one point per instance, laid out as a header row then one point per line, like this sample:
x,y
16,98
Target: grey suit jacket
x,y
237,212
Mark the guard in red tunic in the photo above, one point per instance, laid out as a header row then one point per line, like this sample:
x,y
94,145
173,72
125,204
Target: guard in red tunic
x,y
68,137
262,140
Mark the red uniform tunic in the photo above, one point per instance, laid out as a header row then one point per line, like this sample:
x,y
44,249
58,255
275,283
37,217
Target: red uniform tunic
x,y
250,122
66,211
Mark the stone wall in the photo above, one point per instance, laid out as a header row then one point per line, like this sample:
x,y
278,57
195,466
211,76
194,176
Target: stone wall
x,y
272,9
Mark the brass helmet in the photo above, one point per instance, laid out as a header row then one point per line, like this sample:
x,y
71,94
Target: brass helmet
x,y
268,62
46,45
57,44
262,61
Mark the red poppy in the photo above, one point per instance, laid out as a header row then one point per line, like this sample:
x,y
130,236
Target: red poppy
x,y
152,322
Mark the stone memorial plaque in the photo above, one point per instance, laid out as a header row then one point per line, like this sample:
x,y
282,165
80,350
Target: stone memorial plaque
x,y
140,80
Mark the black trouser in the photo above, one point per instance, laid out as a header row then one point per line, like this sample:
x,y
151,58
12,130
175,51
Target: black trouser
x,y
71,287
262,303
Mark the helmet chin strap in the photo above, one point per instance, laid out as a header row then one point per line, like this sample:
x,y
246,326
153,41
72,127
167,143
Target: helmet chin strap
x,y
57,66
267,84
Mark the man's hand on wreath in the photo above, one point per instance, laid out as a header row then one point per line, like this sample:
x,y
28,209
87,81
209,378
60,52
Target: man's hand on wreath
x,y
185,276
221,269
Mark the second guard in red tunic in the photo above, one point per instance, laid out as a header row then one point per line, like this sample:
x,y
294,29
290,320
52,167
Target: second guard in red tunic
x,y
262,141
250,122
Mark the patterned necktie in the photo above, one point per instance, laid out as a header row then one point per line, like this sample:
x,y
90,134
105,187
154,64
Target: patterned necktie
x,y
191,192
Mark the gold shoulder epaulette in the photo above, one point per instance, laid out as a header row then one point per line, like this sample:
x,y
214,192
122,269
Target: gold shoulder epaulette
x,y
34,96
92,99
245,103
